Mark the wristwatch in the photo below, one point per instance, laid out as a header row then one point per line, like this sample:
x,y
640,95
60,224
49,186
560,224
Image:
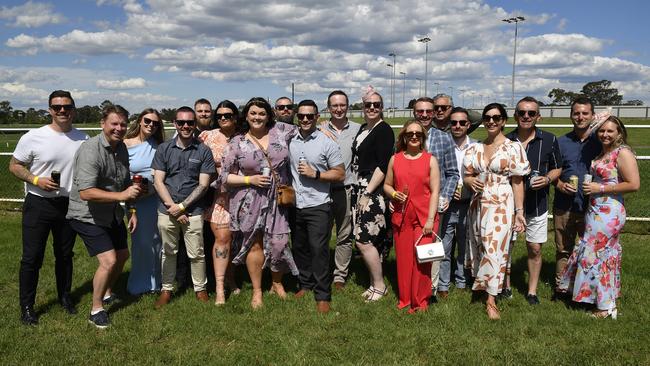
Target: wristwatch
x,y
317,177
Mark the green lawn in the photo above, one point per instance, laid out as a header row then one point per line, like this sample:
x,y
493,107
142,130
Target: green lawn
x,y
291,332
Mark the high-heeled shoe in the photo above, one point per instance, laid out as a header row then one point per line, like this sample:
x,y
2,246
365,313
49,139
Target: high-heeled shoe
x,y
602,314
376,294
367,293
492,311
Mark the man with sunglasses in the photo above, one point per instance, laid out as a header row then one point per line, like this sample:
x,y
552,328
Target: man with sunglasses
x,y
454,223
543,152
182,168
39,155
441,111
284,110
344,131
316,162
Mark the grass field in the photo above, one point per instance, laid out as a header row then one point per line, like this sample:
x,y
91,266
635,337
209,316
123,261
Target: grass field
x,y
291,332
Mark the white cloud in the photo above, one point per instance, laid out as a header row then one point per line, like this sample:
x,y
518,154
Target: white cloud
x,y
79,42
135,83
31,15
19,90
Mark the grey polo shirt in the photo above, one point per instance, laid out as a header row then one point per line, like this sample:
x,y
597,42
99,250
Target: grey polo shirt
x,y
322,154
182,167
345,138
96,165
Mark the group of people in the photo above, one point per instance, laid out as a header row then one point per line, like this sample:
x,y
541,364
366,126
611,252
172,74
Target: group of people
x,y
254,188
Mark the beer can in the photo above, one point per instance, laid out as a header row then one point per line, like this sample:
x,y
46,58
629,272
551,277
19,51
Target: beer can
x,y
55,175
145,185
442,202
302,160
137,179
588,178
482,176
459,187
574,181
266,171
533,174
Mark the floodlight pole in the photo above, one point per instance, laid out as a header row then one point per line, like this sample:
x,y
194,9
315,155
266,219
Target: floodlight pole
x,y
515,20
426,41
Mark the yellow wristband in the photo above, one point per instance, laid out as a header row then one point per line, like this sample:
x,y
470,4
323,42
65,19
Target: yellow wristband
x,y
35,180
394,194
181,206
247,180
132,210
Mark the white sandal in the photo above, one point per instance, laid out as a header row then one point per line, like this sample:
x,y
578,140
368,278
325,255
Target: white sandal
x,y
376,295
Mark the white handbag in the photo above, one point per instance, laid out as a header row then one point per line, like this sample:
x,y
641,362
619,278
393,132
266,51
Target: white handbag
x,y
429,252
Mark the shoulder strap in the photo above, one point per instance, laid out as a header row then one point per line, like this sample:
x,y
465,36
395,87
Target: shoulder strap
x,y
266,155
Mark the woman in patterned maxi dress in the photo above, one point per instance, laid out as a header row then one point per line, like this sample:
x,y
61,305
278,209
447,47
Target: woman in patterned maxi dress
x,y
494,170
259,226
593,271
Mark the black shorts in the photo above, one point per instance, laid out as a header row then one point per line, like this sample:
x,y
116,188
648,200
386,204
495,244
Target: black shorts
x,y
100,239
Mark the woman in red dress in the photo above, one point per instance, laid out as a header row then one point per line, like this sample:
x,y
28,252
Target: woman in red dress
x,y
412,182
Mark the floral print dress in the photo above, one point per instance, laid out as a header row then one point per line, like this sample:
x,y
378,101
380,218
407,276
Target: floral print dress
x,y
217,212
593,271
253,208
491,212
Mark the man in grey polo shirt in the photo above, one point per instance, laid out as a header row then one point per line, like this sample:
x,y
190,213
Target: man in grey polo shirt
x,y
345,131
182,169
315,163
101,180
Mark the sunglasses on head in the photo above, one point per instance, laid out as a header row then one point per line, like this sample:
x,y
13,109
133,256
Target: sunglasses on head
x,y
227,116
148,121
531,114
495,118
461,122
66,107
442,108
309,116
369,105
413,134
282,107
181,123
424,111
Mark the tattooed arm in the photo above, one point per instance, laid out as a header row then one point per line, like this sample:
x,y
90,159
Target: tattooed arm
x,y
20,171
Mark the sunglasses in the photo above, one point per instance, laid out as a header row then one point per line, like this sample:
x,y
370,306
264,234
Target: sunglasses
x,y
66,107
282,107
412,134
369,105
495,118
424,111
227,116
461,122
309,116
531,114
439,108
148,121
181,123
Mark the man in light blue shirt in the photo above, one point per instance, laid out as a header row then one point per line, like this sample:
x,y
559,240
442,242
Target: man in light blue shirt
x,y
315,163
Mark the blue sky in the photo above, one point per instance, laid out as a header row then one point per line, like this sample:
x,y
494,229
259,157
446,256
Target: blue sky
x,y
170,53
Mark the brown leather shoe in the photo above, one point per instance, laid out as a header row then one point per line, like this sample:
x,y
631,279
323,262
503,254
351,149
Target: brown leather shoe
x,y
339,285
163,299
323,307
301,293
443,294
202,296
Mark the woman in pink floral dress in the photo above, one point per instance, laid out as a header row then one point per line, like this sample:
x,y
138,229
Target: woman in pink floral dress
x,y
593,272
494,170
217,214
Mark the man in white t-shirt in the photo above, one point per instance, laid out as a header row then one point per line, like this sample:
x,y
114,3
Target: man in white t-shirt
x,y
43,160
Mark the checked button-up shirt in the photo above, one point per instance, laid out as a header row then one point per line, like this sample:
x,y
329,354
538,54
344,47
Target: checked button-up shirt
x,y
441,145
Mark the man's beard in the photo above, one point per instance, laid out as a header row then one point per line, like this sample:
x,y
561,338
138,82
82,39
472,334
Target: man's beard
x,y
285,119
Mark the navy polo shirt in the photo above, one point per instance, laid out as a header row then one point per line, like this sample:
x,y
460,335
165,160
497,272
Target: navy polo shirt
x,y
576,160
182,168
543,153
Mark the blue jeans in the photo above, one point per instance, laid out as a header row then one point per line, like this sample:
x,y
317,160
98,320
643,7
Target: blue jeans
x,y
454,225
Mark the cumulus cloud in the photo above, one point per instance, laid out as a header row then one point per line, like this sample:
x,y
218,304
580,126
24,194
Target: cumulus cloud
x,y
31,15
134,83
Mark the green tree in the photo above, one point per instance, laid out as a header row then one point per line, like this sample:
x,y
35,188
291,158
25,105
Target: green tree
x,y
6,112
168,114
88,114
633,102
601,93
561,97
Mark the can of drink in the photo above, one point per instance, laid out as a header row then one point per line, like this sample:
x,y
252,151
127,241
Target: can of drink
x,y
459,187
588,178
574,181
56,176
145,185
302,160
442,202
137,179
482,176
533,174
266,171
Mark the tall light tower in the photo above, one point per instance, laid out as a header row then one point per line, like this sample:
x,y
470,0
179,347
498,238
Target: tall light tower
x,y
403,88
515,20
426,41
451,89
392,86
420,88
390,81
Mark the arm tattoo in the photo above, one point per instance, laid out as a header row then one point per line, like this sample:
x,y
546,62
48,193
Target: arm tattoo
x,y
22,172
197,193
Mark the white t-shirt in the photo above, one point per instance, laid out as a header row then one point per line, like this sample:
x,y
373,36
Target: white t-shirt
x,y
45,150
